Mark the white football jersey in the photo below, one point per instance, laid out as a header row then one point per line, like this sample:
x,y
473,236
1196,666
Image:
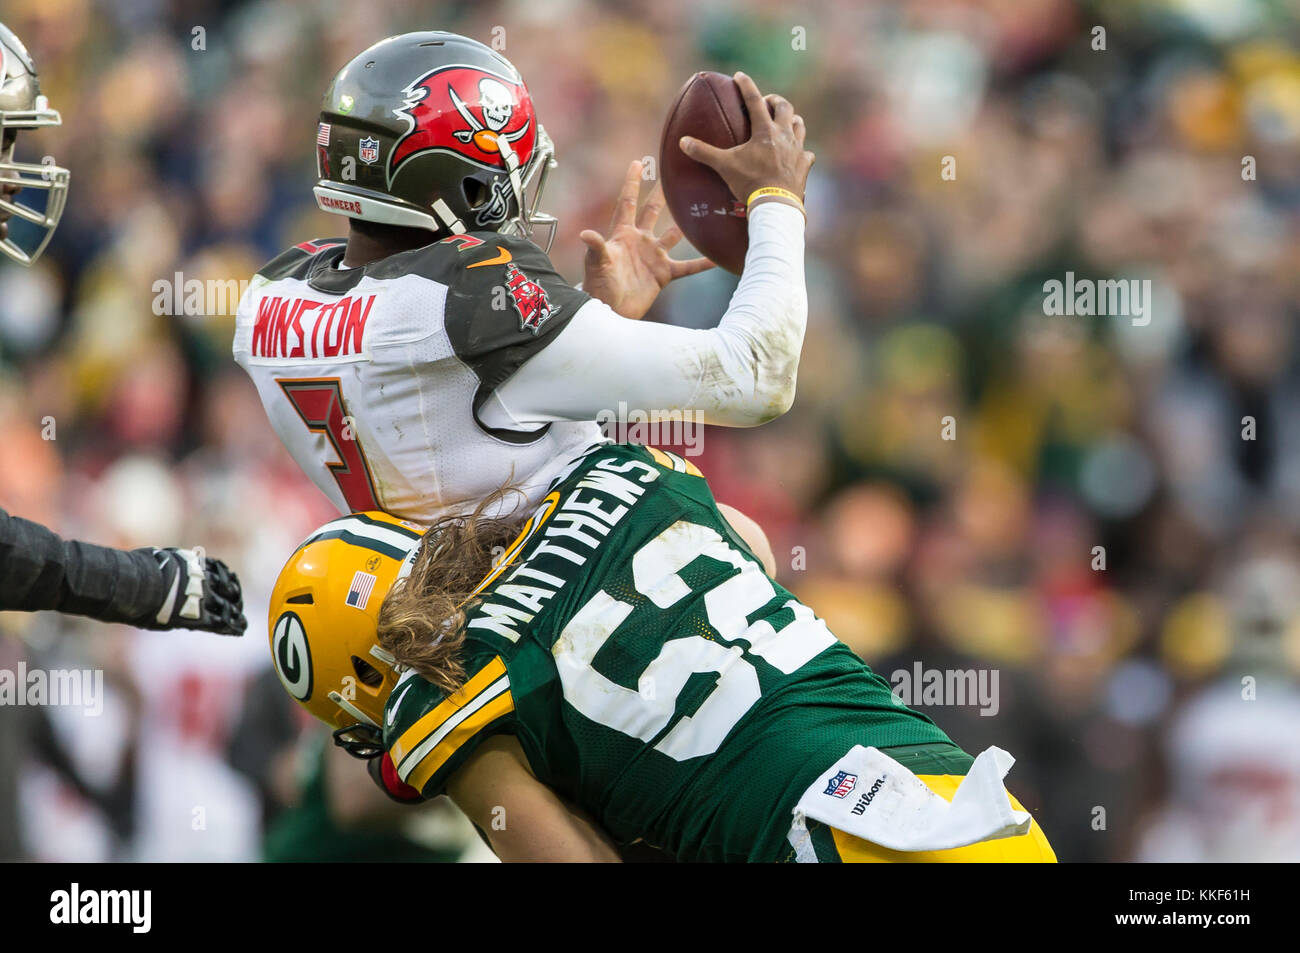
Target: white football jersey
x,y
373,377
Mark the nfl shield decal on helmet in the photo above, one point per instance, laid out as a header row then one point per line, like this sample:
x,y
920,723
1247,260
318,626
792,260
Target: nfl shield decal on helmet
x,y
530,299
368,150
840,785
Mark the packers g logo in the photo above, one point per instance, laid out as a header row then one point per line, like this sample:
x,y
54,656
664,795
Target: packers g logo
x,y
292,656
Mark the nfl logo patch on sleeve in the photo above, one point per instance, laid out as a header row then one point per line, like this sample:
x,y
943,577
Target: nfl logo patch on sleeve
x,y
359,592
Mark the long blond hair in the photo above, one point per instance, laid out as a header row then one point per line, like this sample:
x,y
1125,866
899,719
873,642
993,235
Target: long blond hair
x,y
422,620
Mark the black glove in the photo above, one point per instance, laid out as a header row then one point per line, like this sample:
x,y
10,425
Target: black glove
x,y
201,594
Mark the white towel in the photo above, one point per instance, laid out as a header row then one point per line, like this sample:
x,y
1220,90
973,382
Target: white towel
x,y
871,796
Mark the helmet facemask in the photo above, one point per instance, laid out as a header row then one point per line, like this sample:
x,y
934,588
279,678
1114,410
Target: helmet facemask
x,y
48,178
533,176
375,679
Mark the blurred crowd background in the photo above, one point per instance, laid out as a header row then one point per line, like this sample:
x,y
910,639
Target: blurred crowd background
x,y
1148,687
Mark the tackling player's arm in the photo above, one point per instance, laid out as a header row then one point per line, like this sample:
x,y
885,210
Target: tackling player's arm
x,y
753,535
523,819
462,745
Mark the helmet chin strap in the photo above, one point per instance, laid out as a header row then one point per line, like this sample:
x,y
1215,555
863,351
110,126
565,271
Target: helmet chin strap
x,y
511,159
448,218
450,221
383,655
352,709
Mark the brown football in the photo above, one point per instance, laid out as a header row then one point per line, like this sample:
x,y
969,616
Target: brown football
x,y
711,109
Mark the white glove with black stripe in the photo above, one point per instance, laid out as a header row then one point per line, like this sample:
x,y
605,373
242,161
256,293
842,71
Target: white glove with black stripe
x,y
202,593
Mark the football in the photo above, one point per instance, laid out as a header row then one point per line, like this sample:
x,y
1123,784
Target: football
x,y
711,109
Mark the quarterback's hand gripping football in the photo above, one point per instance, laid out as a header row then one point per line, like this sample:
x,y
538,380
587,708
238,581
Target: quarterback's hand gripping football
x,y
773,158
202,593
627,269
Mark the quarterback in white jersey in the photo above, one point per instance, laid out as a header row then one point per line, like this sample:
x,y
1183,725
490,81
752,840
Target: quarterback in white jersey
x,y
435,353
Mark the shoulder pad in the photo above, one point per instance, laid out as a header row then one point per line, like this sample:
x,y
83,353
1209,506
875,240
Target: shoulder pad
x,y
505,303
292,260
429,734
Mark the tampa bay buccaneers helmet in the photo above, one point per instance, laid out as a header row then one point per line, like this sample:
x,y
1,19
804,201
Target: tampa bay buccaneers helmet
x,y
23,107
324,622
435,131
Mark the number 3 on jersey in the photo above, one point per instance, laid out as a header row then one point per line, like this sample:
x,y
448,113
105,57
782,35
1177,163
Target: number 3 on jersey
x,y
319,402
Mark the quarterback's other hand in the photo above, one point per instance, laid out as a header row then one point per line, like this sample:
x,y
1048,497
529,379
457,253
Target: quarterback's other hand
x,y
774,156
627,269
202,593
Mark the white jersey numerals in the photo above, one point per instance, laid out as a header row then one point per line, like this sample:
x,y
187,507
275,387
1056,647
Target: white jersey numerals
x,y
644,713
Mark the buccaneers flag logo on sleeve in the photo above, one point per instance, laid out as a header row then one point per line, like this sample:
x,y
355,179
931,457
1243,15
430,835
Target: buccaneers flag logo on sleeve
x,y
465,110
530,300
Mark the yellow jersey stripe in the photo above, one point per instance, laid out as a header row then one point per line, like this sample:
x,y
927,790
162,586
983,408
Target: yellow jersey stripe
x,y
673,462
432,721
416,754
435,738
429,765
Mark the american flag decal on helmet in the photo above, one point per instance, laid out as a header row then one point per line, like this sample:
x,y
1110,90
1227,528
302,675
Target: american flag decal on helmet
x,y
363,583
323,134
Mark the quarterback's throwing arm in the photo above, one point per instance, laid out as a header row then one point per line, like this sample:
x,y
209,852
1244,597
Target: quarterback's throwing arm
x,y
434,353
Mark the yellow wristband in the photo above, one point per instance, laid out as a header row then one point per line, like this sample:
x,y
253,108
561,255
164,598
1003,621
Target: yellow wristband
x,y
773,191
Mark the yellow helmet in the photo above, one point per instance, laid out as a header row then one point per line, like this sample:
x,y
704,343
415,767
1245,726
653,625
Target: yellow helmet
x,y
324,621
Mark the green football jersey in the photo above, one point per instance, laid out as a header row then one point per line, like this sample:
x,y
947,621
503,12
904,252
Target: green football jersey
x,y
650,669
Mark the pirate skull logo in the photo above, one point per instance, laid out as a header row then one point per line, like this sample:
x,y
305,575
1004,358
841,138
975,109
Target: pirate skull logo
x,y
495,101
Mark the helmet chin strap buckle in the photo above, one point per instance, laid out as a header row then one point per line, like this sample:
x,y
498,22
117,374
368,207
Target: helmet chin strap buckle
x,y
448,218
511,160
383,655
